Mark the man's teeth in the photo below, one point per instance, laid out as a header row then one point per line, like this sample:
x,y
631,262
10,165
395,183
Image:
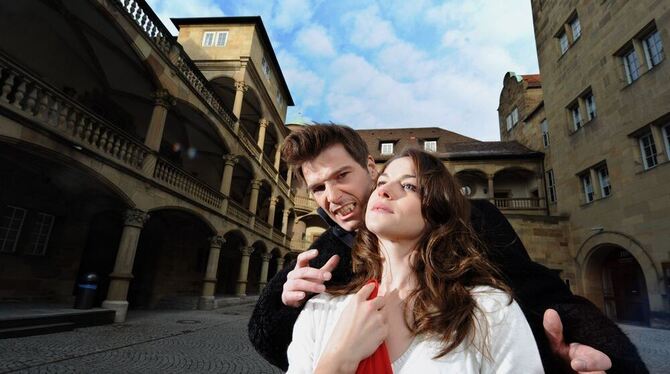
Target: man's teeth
x,y
346,210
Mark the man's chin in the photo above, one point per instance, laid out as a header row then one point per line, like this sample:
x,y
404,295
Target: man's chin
x,y
349,225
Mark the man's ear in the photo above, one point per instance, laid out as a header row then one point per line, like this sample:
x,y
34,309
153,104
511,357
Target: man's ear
x,y
372,167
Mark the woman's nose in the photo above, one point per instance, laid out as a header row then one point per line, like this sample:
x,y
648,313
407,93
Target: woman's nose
x,y
383,191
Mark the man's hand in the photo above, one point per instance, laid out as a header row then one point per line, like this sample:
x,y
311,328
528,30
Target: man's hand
x,y
304,279
580,358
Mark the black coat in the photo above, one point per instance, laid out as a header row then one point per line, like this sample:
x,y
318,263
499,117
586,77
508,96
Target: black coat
x,y
535,287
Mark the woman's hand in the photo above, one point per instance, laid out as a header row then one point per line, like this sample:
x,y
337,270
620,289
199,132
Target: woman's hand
x,y
360,330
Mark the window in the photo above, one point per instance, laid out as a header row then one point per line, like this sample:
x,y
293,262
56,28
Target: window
x,y
266,67
590,105
10,228
666,139
214,38
545,133
387,148
512,118
587,187
576,116
39,237
430,145
576,29
631,66
648,150
563,42
551,186
604,179
653,49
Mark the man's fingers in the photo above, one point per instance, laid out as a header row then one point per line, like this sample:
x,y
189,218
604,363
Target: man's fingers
x,y
553,328
378,302
309,273
305,286
587,359
304,258
330,265
292,297
365,292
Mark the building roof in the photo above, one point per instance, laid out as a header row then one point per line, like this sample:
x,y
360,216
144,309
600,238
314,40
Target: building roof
x,y
484,150
533,80
265,39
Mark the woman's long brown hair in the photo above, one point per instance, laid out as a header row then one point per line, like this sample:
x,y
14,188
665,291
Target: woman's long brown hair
x,y
448,259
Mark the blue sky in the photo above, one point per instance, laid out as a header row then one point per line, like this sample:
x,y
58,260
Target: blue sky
x,y
391,63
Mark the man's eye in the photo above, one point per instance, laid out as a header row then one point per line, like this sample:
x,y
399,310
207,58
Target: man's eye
x,y
317,189
409,187
342,175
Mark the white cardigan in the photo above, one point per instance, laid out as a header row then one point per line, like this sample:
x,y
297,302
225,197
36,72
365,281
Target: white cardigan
x,y
509,340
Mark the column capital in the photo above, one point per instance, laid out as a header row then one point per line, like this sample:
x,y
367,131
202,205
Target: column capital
x,y
241,86
263,122
231,159
255,184
286,211
216,241
135,218
246,251
266,257
274,200
163,98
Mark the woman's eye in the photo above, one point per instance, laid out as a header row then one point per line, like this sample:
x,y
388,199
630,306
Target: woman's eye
x,y
381,183
409,187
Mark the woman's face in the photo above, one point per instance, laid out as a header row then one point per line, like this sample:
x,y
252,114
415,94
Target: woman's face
x,y
394,208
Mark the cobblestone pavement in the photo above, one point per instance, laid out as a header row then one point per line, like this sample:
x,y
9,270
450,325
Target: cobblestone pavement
x,y
653,345
193,342
148,342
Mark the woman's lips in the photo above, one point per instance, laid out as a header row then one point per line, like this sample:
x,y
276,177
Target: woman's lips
x,y
381,208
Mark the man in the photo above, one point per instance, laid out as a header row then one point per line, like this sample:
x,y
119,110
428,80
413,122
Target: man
x,y
334,163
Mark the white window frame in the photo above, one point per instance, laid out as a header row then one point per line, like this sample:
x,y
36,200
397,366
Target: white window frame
x,y
666,138
208,42
13,227
576,117
545,133
386,148
551,186
587,187
653,48
576,28
41,233
590,102
508,120
430,145
632,72
215,40
651,147
563,42
604,180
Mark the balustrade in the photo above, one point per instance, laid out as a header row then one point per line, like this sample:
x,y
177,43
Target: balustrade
x,y
529,203
305,203
238,213
184,182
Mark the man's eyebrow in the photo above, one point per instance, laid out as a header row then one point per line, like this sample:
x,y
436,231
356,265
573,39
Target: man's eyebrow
x,y
337,171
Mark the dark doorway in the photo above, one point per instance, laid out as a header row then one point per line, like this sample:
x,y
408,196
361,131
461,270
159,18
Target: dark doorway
x,y
624,288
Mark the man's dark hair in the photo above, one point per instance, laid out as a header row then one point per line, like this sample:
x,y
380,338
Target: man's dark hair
x,y
307,143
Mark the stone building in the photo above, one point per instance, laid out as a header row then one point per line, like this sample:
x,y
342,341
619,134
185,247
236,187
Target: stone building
x,y
601,114
149,160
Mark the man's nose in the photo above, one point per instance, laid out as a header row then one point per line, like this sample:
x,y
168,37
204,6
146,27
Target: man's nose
x,y
333,194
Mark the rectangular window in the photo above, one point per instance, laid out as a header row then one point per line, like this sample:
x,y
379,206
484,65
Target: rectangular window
x,y
10,228
576,117
648,150
509,122
221,38
512,118
430,145
604,178
545,133
39,237
208,39
666,139
587,187
387,148
214,38
551,186
590,101
563,42
631,66
653,49
266,67
576,29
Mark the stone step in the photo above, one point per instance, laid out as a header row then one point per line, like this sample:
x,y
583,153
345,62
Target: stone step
x,y
22,331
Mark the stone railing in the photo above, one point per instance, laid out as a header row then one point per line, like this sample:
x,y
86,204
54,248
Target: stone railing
x,y
277,236
283,187
526,203
149,23
263,227
46,106
184,182
267,166
305,203
248,143
235,211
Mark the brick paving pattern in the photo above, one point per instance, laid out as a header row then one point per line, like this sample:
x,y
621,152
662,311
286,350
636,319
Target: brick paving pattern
x,y
192,342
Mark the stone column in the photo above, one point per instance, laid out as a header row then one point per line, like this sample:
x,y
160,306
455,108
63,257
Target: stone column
x,y
206,301
240,89
264,271
540,191
227,179
280,263
490,194
271,211
117,294
277,157
289,177
262,125
253,200
284,220
244,271
162,102
299,229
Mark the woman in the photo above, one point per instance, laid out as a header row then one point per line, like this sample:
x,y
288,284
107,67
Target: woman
x,y
443,309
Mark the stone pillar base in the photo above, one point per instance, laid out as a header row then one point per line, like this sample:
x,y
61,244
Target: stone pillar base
x,y
206,303
120,307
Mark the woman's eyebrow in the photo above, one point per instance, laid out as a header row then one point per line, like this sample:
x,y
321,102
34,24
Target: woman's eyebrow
x,y
402,177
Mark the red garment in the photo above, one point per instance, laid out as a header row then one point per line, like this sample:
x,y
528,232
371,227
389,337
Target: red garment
x,y
379,362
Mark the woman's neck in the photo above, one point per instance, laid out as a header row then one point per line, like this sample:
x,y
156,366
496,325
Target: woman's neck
x,y
397,273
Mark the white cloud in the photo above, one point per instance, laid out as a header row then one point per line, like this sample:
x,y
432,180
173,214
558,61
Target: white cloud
x,y
290,14
307,87
166,9
314,40
367,29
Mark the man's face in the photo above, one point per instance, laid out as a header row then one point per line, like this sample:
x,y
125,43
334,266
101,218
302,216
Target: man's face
x,y
340,185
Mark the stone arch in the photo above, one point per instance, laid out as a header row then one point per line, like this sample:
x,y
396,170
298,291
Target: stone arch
x,y
279,213
255,265
229,262
264,195
273,267
224,87
251,114
473,183
243,174
186,210
516,182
